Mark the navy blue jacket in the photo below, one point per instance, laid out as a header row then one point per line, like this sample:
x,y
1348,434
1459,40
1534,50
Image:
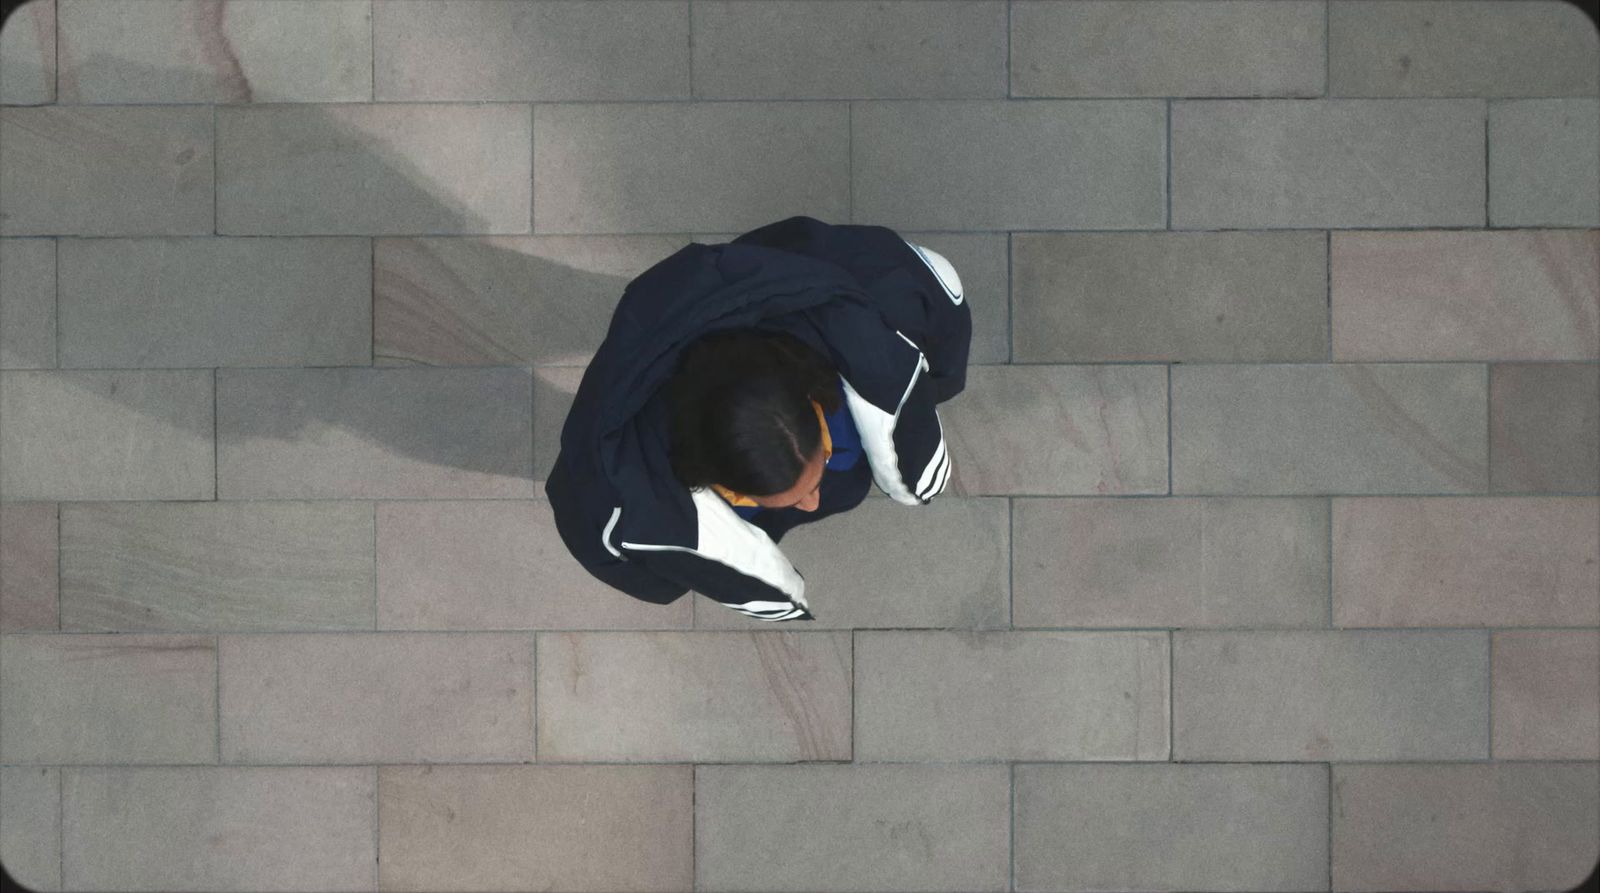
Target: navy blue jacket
x,y
888,314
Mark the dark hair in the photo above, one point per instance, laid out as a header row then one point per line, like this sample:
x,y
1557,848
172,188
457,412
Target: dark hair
x,y
741,410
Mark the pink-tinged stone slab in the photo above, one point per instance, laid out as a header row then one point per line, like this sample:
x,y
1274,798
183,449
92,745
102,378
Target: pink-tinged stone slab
x,y
495,564
108,699
489,50
219,829
588,829
1167,48
376,698
704,696
1466,295
1466,561
857,827
1170,561
1485,826
1547,694
30,558
954,695
1116,826
1261,429
173,51
1330,695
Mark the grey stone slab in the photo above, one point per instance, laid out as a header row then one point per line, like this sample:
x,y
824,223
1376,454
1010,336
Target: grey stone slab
x,y
854,827
107,171
229,829
27,303
580,828
1544,162
30,569
503,300
495,564
1168,48
351,433
89,434
1000,164
216,302
242,51
477,50
1451,48
711,165
1319,696
693,697
1045,430
1479,561
1466,295
815,49
30,825
1174,561
385,169
376,698
108,699
940,695
192,566
1335,163
1190,297
1306,428
1171,827
886,564
1544,427
1490,826
28,57
1546,694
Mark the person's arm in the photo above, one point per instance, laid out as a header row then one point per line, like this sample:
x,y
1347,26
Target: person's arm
x,y
734,563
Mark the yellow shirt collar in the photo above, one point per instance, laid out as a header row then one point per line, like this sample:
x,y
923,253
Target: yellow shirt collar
x,y
827,453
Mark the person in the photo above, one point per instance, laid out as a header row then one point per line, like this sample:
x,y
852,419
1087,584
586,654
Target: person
x,y
747,387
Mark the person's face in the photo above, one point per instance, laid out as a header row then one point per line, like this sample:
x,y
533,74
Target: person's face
x,y
805,495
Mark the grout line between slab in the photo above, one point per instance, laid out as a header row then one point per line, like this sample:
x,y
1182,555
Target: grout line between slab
x,y
1478,361
216,702
533,688
462,234
1330,824
254,633
377,854
1169,165
1486,221
216,230
1327,47
423,762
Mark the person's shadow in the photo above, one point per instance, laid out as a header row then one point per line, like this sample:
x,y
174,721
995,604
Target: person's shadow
x,y
452,291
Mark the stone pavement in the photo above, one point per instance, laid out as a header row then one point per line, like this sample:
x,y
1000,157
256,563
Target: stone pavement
x,y
1271,560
